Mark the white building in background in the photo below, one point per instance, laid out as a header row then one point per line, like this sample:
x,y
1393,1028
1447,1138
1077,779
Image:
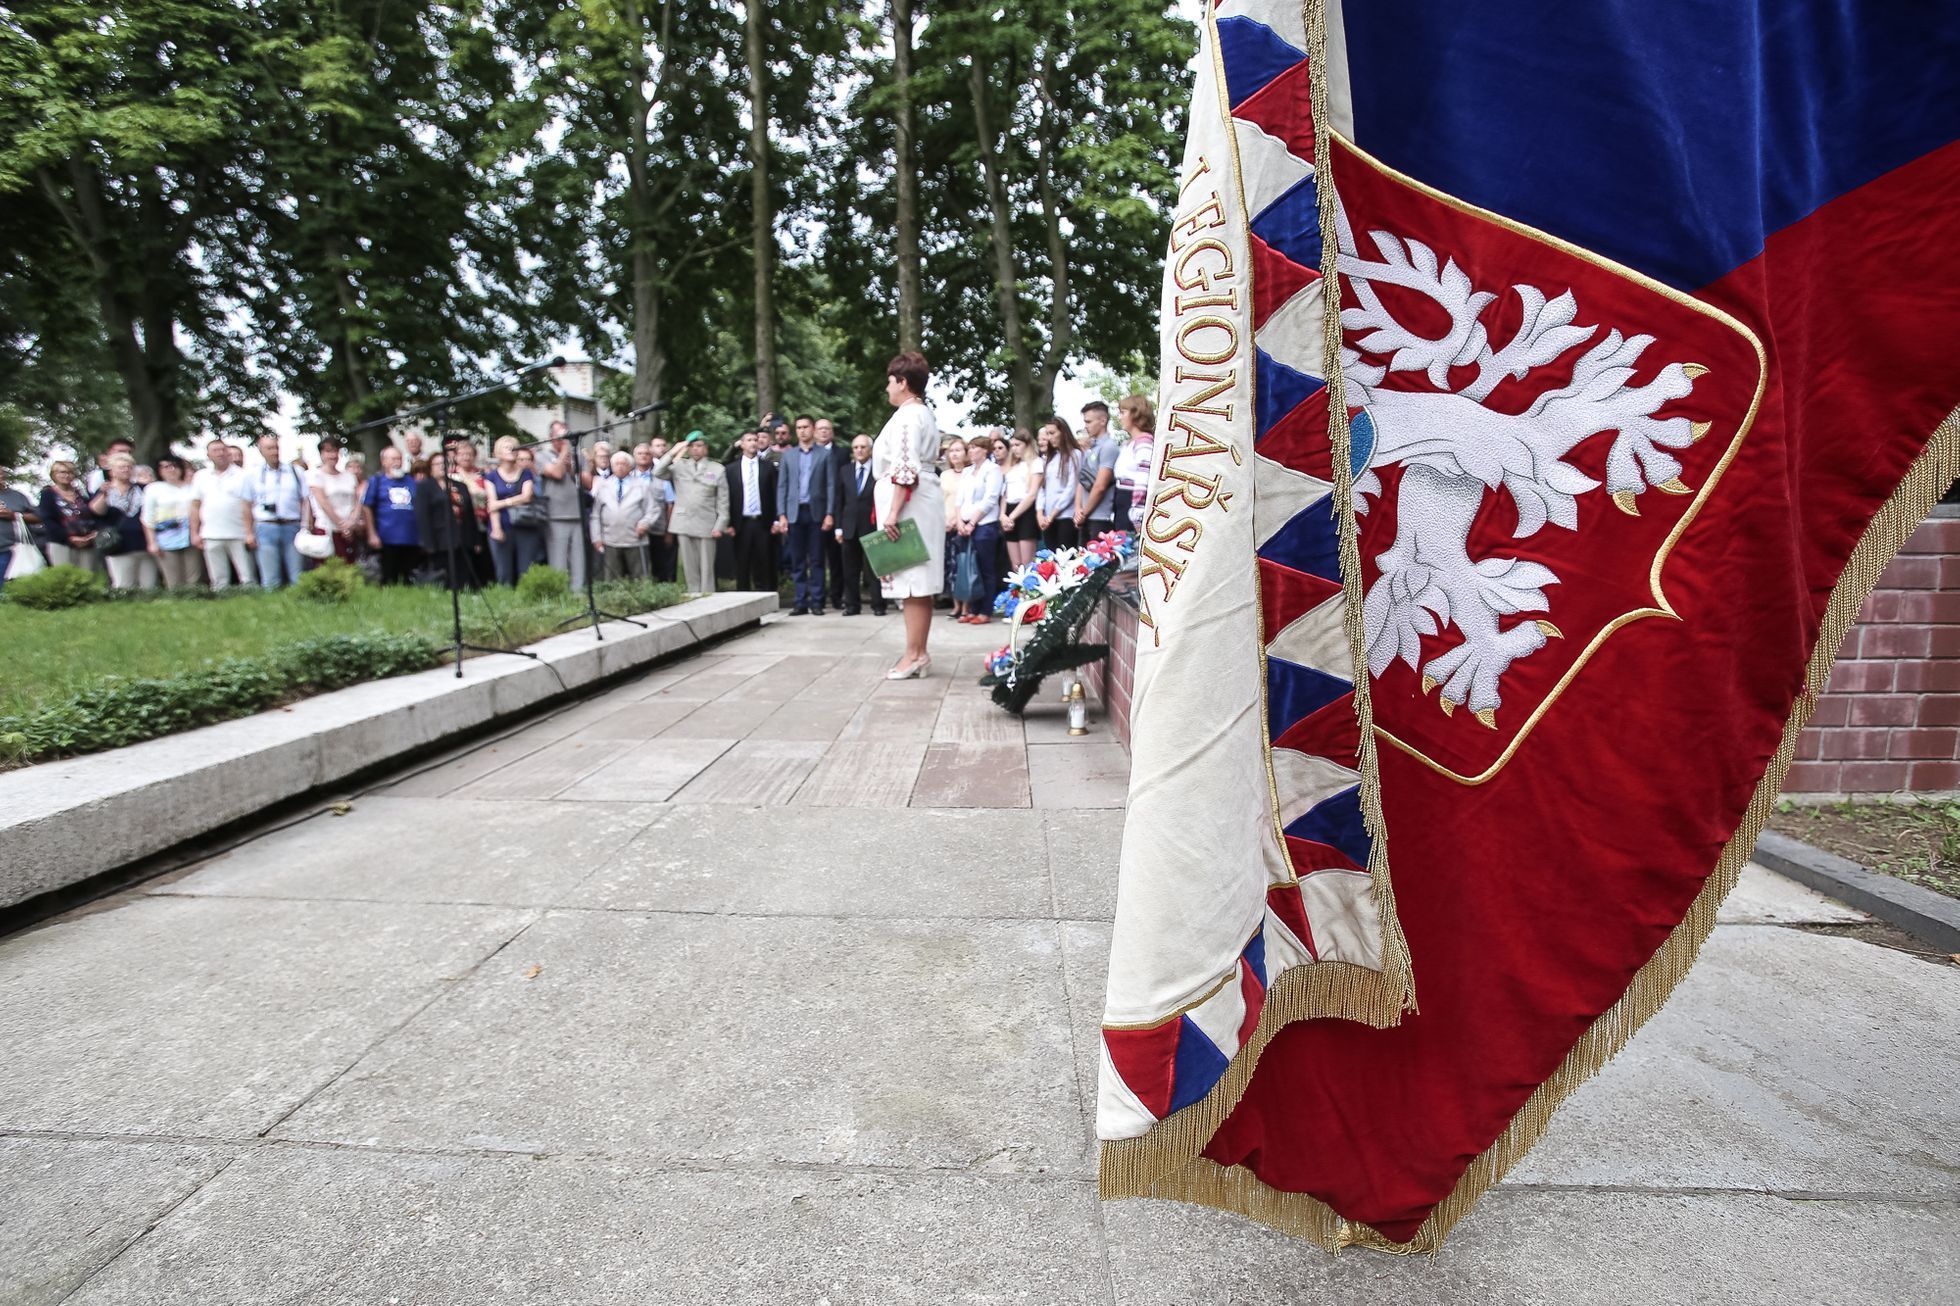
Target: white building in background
x,y
574,400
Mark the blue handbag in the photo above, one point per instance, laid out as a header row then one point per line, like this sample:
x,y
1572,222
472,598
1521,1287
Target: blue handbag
x,y
966,577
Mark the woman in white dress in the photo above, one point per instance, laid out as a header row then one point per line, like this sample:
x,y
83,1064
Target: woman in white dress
x,y
903,458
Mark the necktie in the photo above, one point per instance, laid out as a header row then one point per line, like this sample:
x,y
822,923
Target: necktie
x,y
619,491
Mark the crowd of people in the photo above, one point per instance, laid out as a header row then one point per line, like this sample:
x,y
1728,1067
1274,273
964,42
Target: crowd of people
x,y
789,500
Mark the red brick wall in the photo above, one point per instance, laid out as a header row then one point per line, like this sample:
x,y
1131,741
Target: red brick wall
x,y
1115,624
1890,718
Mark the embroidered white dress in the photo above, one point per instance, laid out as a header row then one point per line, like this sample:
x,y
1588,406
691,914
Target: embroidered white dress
x,y
911,439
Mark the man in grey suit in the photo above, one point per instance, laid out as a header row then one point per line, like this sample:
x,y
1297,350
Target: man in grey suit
x,y
803,481
625,510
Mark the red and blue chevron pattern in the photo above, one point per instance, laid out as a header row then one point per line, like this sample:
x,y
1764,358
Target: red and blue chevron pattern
x,y
1313,737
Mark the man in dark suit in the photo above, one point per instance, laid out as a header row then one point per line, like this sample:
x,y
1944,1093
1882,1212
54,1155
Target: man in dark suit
x,y
752,513
802,510
852,512
833,557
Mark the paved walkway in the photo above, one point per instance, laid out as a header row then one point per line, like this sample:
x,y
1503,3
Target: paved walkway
x,y
760,979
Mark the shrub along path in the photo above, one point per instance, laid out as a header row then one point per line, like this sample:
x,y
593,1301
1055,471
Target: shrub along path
x,y
65,662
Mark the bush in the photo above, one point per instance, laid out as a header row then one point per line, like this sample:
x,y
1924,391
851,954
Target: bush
x,y
120,712
333,581
543,584
54,588
340,660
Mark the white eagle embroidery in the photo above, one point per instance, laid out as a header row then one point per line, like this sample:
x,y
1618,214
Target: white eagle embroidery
x,y
1454,449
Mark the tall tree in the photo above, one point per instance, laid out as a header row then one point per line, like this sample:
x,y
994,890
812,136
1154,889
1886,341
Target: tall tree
x,y
911,313
388,275
126,122
762,210
1057,126
627,197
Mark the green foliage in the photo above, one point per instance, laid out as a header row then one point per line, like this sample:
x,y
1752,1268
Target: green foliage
x,y
366,204
541,584
54,588
121,712
333,581
336,661
1086,109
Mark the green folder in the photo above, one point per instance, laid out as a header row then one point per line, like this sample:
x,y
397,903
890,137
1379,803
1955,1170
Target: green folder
x,y
888,557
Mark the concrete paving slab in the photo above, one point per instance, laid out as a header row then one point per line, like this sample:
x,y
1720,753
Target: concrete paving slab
x,y
713,1040
1084,849
891,721
652,772
549,771
805,720
830,861
762,772
972,775
1085,972
68,1205
1570,1248
467,764
787,678
637,719
728,719
864,774
215,1016
289,1226
711,683
426,850
1762,897
1785,1061
968,716
1079,774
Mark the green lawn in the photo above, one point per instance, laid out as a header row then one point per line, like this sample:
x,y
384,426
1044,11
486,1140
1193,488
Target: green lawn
x,y
48,656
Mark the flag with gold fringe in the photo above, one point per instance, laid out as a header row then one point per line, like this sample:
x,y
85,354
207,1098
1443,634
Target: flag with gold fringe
x,y
1542,392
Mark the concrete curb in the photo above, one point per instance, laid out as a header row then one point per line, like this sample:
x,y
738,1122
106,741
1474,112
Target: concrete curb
x,y
66,822
1931,917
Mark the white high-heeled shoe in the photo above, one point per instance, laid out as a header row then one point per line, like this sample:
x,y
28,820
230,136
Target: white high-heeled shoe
x,y
916,671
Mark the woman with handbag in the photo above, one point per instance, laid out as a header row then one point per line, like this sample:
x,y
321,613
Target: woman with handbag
x,y
904,458
120,537
20,551
516,518
167,524
336,493
65,518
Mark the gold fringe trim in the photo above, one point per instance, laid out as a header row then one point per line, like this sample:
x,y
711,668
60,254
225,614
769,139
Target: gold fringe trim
x,y
1396,968
1239,1190
1137,1167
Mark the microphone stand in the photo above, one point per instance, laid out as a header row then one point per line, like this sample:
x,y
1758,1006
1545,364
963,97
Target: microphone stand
x,y
450,572
441,407
593,611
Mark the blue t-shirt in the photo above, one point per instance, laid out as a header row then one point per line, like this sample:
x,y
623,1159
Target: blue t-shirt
x,y
393,501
